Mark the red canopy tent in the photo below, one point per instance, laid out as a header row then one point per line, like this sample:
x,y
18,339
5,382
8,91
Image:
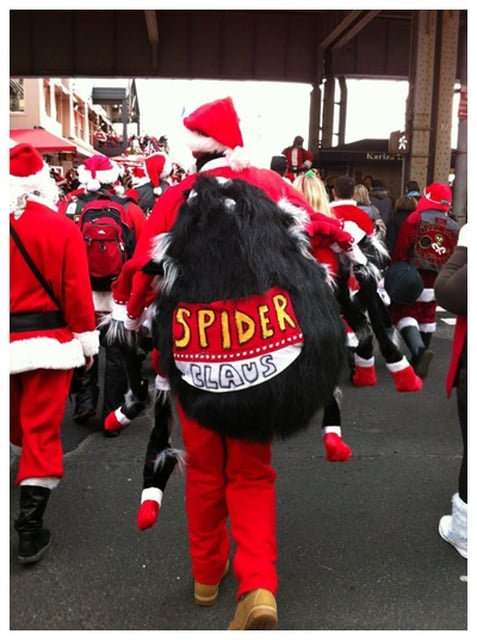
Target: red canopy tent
x,y
42,140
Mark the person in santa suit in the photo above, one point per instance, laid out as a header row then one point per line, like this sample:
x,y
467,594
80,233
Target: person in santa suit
x,y
451,293
298,158
152,183
98,176
426,240
314,190
52,331
196,262
362,305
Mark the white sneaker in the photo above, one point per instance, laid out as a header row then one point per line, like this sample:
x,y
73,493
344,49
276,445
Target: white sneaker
x,y
453,529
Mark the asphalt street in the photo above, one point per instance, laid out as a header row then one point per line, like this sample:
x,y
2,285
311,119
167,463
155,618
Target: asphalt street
x,y
358,542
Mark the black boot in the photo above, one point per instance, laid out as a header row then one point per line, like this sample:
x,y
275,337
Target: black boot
x,y
420,356
87,393
34,538
426,338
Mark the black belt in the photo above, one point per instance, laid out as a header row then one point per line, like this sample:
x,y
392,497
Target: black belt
x,y
36,321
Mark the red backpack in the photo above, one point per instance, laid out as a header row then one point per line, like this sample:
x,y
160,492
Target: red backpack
x,y
109,236
436,239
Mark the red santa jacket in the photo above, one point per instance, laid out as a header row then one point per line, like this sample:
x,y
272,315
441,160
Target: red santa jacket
x,y
296,158
56,247
133,287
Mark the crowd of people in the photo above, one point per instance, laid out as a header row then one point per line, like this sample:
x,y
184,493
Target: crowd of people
x,y
312,272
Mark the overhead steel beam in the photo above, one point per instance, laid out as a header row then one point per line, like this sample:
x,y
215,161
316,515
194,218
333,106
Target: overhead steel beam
x,y
153,34
339,30
355,29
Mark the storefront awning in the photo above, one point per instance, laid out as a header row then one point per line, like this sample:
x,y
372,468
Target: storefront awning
x,y
42,140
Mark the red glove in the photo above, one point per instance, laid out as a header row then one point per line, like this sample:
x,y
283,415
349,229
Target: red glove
x,y
325,231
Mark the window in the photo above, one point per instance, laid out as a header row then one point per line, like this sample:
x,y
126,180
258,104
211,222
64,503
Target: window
x,y
17,95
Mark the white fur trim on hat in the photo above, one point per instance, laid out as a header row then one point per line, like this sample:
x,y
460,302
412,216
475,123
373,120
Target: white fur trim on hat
x,y
107,176
39,186
202,144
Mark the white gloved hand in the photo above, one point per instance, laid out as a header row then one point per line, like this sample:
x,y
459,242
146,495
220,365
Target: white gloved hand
x,y
355,255
161,383
119,312
134,324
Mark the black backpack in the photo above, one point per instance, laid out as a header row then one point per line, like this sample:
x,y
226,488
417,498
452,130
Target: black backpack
x,y
240,293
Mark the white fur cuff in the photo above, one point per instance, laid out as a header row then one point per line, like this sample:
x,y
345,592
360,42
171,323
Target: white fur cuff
x,y
89,342
463,240
363,362
336,430
393,367
152,493
48,482
427,295
119,312
161,384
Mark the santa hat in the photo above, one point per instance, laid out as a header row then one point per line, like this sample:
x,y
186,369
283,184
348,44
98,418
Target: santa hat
x,y
214,127
25,161
436,196
96,171
29,177
157,166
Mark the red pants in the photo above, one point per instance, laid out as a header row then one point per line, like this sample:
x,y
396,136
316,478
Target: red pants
x,y
37,406
230,479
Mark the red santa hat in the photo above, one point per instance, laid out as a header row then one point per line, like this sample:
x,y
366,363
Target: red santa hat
x,y
214,127
29,177
96,171
157,166
25,161
436,196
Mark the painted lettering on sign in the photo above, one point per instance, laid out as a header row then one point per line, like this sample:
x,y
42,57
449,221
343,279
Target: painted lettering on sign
x,y
229,325
230,345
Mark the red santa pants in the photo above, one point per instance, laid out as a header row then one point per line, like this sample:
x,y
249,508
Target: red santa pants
x,y
423,314
37,406
230,479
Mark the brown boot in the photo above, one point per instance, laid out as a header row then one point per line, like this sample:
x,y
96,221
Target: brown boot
x,y
257,610
205,595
